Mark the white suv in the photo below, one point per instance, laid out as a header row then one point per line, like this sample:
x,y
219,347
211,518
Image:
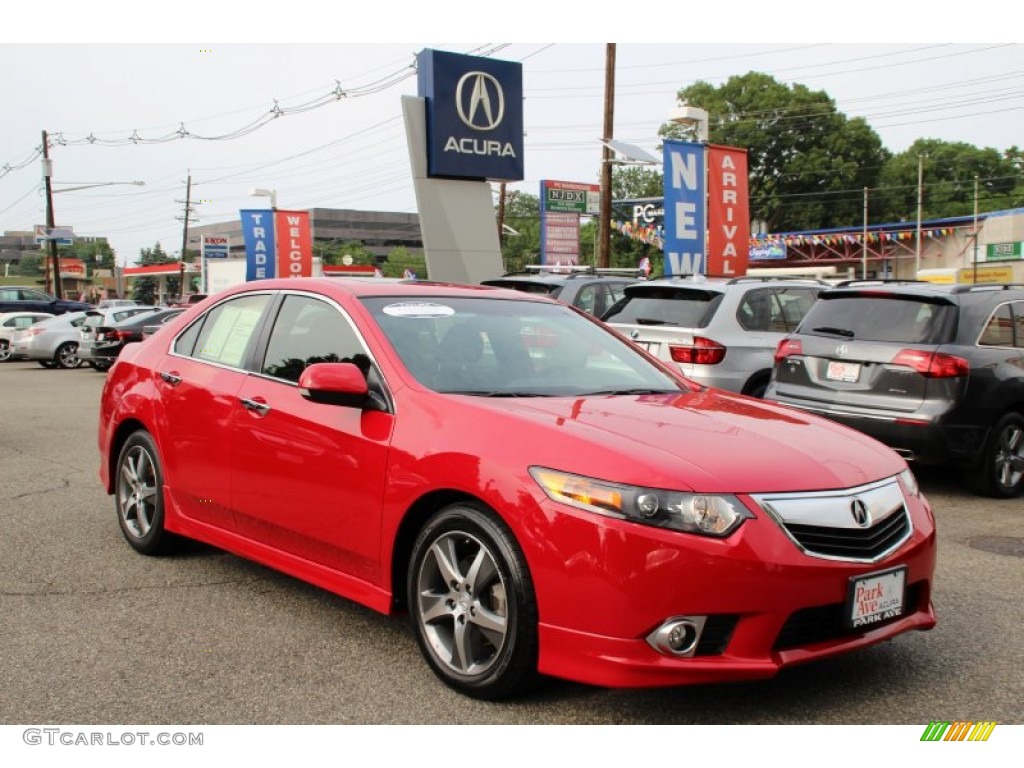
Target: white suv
x,y
722,333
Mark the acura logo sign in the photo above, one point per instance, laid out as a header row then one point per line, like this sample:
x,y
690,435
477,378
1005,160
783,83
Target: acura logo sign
x,y
841,350
480,101
861,515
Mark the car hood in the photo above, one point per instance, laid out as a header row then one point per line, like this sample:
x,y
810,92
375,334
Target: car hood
x,y
708,440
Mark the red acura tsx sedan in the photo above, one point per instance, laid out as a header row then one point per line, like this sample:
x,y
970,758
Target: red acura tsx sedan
x,y
541,496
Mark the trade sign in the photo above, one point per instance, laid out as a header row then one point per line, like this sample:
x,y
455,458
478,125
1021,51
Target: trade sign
x,y
685,208
1003,251
474,111
258,234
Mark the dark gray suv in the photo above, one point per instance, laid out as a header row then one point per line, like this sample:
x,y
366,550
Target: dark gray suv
x,y
934,371
591,290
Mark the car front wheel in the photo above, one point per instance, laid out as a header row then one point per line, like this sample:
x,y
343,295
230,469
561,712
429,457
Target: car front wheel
x,y
139,496
472,604
1001,473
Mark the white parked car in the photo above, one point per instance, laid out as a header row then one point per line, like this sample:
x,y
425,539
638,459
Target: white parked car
x,y
10,322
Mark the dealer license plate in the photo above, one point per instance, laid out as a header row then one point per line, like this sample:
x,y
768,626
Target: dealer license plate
x,y
876,597
840,371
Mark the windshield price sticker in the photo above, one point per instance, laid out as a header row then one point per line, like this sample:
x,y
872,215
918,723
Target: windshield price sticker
x,y
840,371
876,597
418,309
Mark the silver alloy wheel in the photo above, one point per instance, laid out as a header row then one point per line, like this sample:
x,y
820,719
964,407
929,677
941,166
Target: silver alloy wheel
x,y
1009,456
5,351
136,491
67,355
463,608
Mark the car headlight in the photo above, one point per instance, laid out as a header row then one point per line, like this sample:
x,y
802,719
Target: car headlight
x,y
705,514
910,482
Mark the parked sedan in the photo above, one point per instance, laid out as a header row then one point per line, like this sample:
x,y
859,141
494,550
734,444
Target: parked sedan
x,y
53,343
105,335
21,298
10,322
585,513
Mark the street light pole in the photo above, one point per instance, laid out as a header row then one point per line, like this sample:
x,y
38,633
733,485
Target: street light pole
x,y
920,200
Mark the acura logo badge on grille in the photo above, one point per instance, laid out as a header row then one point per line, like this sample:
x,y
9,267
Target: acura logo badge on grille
x,y
860,513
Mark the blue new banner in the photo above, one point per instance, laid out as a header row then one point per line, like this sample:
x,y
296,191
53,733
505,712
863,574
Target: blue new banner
x,y
474,108
685,208
260,254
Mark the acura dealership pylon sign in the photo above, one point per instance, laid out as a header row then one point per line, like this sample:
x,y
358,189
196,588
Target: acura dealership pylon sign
x,y
474,116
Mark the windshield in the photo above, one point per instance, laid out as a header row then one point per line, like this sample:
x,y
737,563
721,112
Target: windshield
x,y
506,348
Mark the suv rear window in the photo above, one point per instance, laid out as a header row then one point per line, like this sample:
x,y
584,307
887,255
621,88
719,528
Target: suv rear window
x,y
904,319
546,289
665,305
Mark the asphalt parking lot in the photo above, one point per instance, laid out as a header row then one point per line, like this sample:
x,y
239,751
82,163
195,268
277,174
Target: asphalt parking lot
x,y
94,633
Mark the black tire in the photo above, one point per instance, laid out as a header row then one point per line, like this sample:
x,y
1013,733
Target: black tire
x,y
1001,472
102,367
472,604
47,363
139,496
67,355
757,386
5,351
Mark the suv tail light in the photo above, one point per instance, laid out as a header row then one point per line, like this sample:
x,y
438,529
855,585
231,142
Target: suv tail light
x,y
934,365
788,347
701,352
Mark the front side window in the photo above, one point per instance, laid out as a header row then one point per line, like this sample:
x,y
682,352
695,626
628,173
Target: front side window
x,y
309,331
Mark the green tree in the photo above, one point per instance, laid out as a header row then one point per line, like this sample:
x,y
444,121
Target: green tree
x,y
948,173
522,214
807,161
633,182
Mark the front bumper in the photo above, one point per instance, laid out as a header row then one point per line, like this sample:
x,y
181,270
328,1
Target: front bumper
x,y
768,604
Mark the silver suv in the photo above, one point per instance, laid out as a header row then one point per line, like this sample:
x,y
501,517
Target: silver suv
x,y
722,333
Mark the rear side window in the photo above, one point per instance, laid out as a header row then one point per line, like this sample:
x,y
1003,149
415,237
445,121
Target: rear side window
x,y
903,319
225,333
653,305
1005,328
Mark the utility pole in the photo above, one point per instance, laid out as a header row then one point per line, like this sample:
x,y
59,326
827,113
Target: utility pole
x,y
920,201
50,241
864,240
184,238
975,281
605,226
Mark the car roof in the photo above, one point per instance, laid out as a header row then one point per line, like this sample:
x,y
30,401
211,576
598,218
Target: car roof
x,y
24,312
376,287
920,288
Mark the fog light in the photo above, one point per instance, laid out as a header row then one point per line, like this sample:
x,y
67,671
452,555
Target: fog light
x,y
678,636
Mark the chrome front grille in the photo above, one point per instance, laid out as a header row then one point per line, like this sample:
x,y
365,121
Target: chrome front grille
x,y
862,524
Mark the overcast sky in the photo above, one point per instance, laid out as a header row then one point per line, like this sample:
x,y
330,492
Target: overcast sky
x,y
350,152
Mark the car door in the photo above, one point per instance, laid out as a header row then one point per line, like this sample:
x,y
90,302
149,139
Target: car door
x,y
198,382
308,478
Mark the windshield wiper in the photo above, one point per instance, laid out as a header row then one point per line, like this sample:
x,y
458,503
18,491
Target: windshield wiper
x,y
835,331
635,391
650,321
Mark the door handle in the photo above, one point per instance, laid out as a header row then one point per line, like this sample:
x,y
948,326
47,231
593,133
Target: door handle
x,y
171,378
257,406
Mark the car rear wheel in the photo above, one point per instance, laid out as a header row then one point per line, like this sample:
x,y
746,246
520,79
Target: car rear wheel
x,y
1001,473
5,351
100,366
139,496
67,355
472,604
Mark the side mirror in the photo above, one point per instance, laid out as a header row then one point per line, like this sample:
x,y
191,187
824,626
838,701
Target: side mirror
x,y
334,384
